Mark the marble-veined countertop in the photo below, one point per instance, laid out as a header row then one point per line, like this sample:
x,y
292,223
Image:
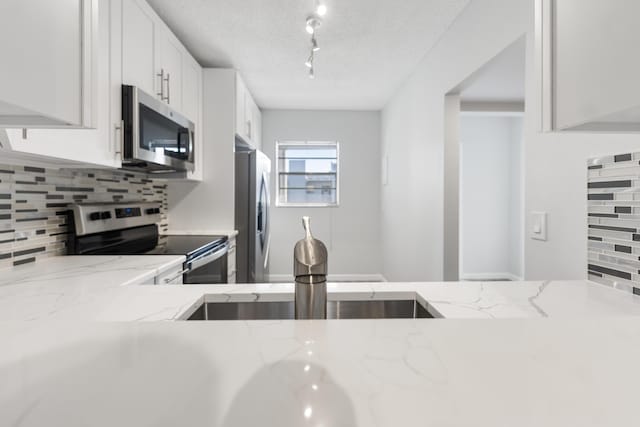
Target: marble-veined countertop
x,y
104,288
557,353
554,372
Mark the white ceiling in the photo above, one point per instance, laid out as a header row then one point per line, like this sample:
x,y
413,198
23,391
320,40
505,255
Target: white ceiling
x,y
368,47
501,80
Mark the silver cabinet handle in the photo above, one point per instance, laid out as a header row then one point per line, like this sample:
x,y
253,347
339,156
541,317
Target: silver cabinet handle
x,y
171,279
161,75
120,149
168,80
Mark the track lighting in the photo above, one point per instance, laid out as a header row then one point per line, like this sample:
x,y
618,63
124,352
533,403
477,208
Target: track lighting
x,y
313,22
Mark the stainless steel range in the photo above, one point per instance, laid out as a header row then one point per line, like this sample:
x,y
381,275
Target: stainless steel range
x,y
131,229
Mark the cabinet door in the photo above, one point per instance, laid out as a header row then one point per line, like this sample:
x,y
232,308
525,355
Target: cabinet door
x,y
169,66
241,116
191,88
192,108
255,123
248,117
89,146
594,68
138,65
46,72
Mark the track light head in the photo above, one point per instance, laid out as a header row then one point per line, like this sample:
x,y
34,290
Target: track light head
x,y
314,44
313,22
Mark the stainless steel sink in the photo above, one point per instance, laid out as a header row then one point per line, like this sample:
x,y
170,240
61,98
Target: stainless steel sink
x,y
284,310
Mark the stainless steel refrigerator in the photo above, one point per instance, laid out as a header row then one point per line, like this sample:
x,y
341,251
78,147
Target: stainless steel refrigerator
x,y
252,203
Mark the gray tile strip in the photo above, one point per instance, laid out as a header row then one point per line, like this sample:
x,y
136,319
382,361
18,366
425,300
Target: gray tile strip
x,y
610,271
610,228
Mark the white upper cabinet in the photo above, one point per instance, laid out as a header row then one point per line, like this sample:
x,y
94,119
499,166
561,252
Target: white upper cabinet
x,y
169,57
192,108
248,116
48,71
129,44
152,57
241,115
99,146
138,35
254,123
590,65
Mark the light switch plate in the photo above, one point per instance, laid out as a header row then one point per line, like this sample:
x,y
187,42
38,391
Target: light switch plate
x,y
538,230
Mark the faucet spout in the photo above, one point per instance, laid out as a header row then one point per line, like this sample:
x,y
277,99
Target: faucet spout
x,y
310,271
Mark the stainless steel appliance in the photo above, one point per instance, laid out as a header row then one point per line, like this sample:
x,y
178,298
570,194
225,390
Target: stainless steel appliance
x,y
252,203
155,138
131,229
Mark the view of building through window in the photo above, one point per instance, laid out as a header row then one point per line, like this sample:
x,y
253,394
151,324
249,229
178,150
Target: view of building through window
x,y
307,173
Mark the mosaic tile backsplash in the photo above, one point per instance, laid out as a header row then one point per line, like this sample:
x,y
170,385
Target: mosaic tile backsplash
x,y
33,205
614,221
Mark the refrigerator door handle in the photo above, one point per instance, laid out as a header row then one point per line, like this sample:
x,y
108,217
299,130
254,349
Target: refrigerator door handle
x,y
267,228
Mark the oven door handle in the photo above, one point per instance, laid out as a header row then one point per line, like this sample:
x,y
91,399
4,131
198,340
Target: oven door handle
x,y
208,257
177,276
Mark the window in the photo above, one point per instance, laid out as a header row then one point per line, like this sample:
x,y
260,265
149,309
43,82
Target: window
x,y
307,173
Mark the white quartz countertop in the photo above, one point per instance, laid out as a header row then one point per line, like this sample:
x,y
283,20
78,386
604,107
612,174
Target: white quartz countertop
x,y
94,289
385,373
100,270
560,353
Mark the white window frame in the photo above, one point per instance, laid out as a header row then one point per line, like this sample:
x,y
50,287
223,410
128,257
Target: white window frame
x,y
280,203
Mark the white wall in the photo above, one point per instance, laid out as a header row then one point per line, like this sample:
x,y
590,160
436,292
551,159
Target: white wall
x,y
413,141
350,231
516,196
490,196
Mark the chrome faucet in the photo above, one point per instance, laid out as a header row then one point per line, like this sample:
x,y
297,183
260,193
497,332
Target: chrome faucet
x,y
310,271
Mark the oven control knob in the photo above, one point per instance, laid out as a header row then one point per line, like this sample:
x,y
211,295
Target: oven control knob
x,y
105,215
94,216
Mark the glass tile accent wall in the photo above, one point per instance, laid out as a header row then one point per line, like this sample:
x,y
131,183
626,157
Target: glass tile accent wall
x,y
613,199
33,205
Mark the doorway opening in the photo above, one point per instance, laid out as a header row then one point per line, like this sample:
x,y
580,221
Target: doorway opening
x,y
485,171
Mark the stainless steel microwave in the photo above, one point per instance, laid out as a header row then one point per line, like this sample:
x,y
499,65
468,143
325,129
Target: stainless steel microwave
x,y
156,138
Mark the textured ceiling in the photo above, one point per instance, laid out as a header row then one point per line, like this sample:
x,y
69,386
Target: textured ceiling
x,y
501,80
368,47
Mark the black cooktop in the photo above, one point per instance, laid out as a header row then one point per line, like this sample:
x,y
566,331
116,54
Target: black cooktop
x,y
185,244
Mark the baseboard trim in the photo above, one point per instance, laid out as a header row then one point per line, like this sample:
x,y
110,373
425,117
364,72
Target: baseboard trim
x,y
285,278
491,276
